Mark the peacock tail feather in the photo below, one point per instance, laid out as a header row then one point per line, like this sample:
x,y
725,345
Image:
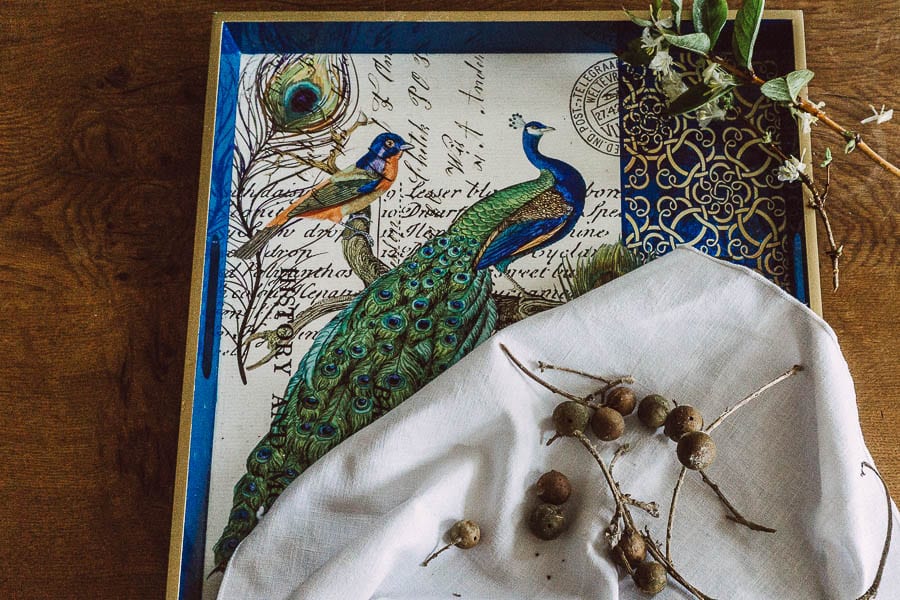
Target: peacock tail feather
x,y
407,327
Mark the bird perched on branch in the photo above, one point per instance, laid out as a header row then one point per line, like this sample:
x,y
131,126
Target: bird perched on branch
x,y
404,329
344,193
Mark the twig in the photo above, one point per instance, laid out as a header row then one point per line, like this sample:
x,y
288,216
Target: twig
x,y
622,509
547,385
873,589
670,523
817,203
542,366
651,508
622,449
447,547
754,395
735,515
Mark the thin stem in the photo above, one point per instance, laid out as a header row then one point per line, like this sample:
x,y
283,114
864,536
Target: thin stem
x,y
835,250
542,366
432,557
751,397
547,385
873,589
735,515
670,523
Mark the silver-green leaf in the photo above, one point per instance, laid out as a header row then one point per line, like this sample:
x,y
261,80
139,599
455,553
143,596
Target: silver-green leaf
x,y
746,28
777,89
676,14
828,158
797,80
709,17
655,7
695,42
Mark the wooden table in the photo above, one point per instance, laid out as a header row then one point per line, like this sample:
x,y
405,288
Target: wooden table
x,y
101,118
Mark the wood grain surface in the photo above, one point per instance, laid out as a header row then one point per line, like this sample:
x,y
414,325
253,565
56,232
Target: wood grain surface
x,y
101,119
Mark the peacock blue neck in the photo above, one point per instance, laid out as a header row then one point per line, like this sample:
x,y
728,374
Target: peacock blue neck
x,y
568,180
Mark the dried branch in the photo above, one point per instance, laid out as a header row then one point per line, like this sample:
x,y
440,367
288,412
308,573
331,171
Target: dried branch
x,y
873,589
735,515
751,397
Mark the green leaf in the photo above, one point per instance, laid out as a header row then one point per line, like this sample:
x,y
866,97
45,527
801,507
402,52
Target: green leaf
x,y
638,20
676,13
787,88
797,80
777,89
655,7
695,42
696,96
709,17
828,158
746,28
850,146
635,54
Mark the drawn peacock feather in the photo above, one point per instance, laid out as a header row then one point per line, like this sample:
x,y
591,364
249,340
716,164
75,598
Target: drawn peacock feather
x,y
408,326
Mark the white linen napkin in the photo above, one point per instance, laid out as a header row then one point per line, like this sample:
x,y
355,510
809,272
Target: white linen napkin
x,y
472,444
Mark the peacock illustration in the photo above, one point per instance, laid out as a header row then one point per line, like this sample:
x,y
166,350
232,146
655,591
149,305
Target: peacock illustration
x,y
408,326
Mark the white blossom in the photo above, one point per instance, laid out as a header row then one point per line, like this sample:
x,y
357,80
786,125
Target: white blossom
x,y
672,86
714,75
879,117
805,119
662,62
648,40
709,112
791,169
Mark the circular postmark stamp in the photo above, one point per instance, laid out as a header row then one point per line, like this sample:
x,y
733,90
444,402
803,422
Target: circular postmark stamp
x,y
594,106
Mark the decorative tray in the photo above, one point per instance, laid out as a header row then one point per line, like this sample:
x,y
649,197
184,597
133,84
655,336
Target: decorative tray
x,y
425,115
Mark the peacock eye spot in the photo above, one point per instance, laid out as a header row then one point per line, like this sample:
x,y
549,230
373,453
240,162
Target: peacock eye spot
x,y
452,321
427,251
303,99
263,454
461,278
357,351
423,324
413,283
385,294
420,303
240,514
363,380
291,472
457,304
306,426
330,369
230,544
361,403
450,339
443,242
325,430
394,380
387,348
438,271
339,351
429,282
311,401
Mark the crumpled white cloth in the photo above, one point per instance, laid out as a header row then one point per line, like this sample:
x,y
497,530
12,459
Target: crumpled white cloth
x,y
472,444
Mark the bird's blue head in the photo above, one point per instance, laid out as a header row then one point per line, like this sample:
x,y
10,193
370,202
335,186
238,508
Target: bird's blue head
x,y
386,145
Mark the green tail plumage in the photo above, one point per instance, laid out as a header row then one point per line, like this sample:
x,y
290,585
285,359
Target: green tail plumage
x,y
402,331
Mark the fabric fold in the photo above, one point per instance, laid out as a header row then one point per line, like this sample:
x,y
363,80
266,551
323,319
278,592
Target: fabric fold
x,y
471,444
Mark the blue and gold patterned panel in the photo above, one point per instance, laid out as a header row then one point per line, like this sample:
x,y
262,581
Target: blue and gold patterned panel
x,y
714,187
